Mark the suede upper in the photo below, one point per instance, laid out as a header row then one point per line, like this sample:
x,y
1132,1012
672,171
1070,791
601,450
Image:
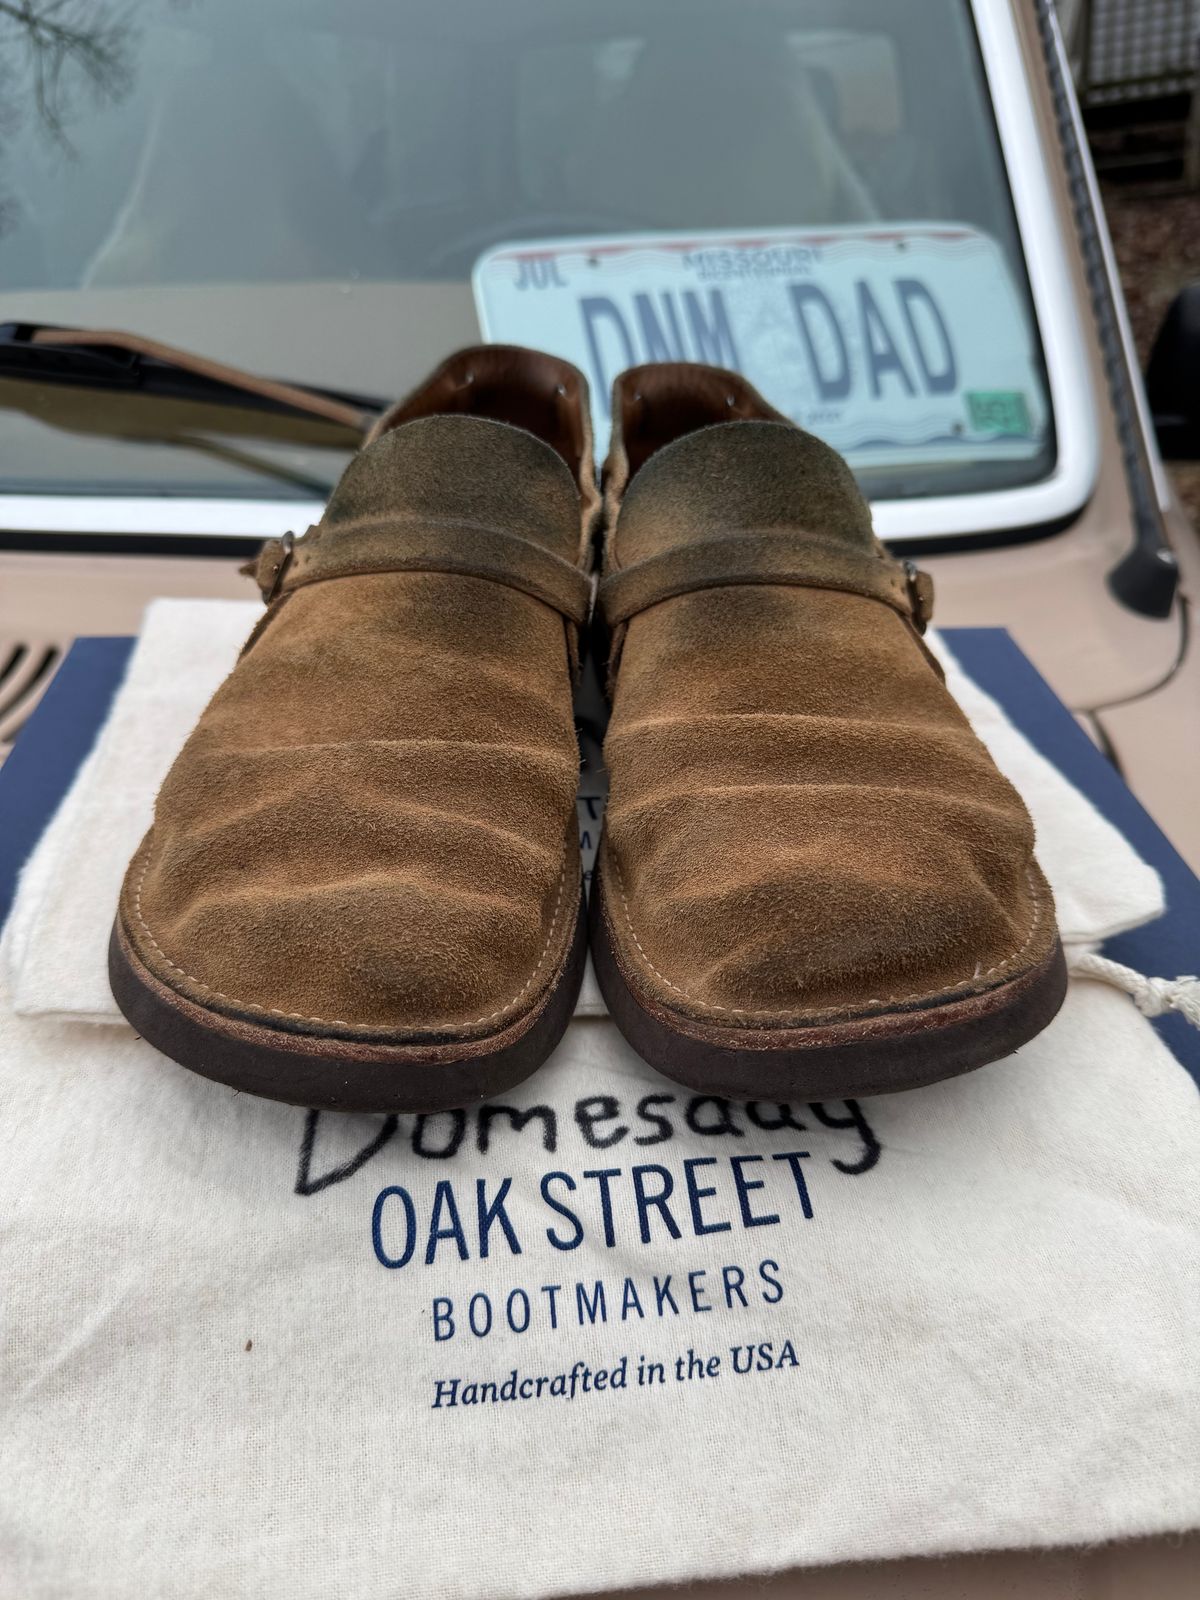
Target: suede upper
x,y
372,829
801,824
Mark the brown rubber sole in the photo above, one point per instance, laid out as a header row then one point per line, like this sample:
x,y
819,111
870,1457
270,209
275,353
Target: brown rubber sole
x,y
338,1074
827,1061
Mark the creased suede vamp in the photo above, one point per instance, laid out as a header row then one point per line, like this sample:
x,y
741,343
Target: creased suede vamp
x,y
803,834
362,886
798,828
370,829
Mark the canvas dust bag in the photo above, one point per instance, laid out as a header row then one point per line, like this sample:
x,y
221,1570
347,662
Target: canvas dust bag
x,y
599,1333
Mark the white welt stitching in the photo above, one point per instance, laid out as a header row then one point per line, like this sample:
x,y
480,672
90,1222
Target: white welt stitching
x,y
335,1022
829,1011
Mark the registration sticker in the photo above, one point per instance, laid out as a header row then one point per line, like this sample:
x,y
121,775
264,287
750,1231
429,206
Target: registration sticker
x,y
899,343
998,411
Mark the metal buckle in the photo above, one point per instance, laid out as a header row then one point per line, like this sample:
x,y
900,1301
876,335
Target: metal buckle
x,y
284,561
919,586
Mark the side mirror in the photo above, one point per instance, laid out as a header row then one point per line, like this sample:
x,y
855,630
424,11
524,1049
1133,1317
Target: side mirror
x,y
1173,378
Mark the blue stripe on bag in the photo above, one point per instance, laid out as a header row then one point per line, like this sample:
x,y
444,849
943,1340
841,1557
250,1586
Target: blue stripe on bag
x,y
52,747
1165,948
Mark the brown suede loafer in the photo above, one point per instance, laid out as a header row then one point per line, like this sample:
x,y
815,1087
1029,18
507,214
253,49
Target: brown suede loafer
x,y
813,881
362,886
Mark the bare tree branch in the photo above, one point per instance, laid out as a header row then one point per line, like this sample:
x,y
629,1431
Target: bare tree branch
x,y
64,42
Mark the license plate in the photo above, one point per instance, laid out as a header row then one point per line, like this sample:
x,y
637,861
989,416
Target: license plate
x,y
896,344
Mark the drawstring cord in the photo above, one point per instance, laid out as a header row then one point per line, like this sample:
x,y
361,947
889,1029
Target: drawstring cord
x,y
1154,997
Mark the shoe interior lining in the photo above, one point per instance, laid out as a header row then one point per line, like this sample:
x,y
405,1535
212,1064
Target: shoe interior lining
x,y
504,383
661,403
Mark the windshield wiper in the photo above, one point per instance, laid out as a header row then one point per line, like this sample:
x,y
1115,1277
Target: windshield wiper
x,y
102,358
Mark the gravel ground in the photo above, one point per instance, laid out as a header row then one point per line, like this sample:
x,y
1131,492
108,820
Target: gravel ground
x,y
1157,244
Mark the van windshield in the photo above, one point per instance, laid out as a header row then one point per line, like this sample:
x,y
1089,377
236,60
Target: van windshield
x,y
340,192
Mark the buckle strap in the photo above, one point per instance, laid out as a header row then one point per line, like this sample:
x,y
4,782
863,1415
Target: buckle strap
x,y
767,556
423,544
920,594
269,567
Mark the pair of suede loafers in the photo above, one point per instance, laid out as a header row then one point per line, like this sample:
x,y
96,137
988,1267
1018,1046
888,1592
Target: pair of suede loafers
x,y
362,887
